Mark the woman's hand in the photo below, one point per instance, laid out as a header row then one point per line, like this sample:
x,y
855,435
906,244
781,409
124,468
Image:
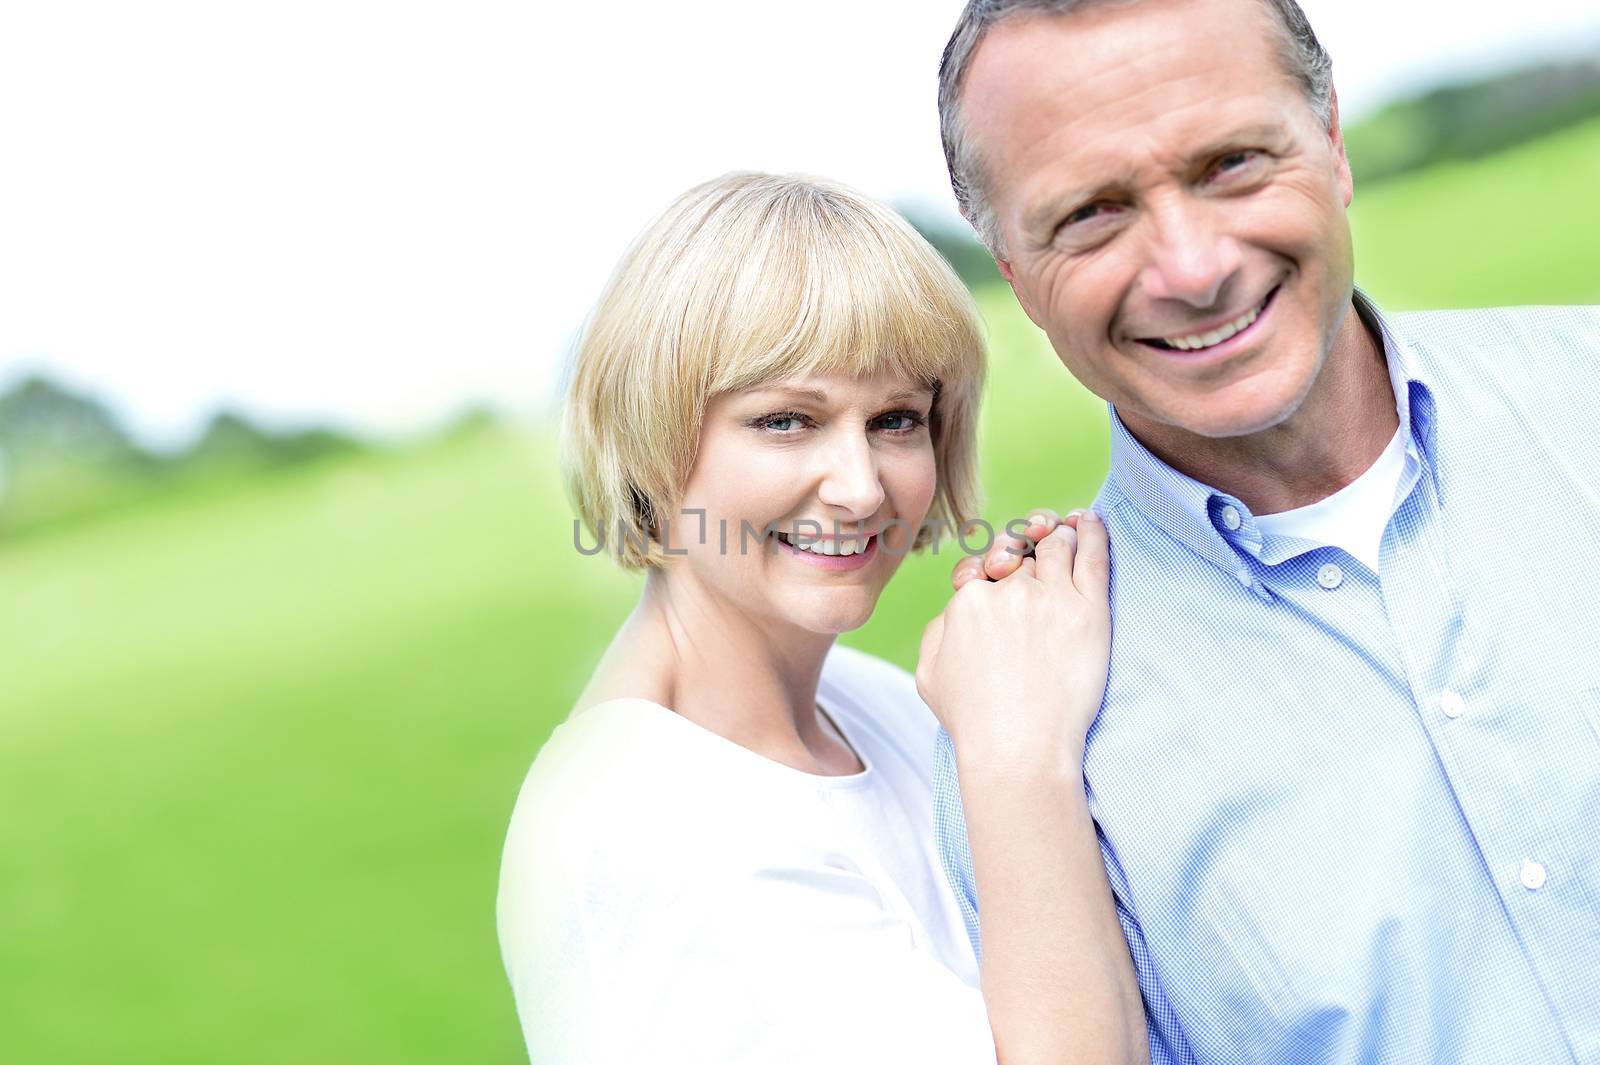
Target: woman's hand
x,y
1008,551
1015,668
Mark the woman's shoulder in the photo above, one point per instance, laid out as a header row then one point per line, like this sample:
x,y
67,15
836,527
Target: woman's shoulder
x,y
627,793
596,751
607,773
630,815
880,698
592,833
849,669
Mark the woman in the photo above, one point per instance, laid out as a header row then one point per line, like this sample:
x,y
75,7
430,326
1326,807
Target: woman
x,y
726,853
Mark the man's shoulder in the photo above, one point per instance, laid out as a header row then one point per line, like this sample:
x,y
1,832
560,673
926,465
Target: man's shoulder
x,y
1534,331
1512,366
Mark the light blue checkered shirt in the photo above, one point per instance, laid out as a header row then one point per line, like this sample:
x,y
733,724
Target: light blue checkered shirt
x,y
1357,819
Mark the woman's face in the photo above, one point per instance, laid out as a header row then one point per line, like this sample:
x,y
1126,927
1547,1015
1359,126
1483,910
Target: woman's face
x,y
812,490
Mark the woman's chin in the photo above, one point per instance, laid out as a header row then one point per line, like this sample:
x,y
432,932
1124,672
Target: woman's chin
x,y
832,619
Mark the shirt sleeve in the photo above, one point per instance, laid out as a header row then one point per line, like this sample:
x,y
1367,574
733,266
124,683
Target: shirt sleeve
x,y
1168,1045
799,964
950,833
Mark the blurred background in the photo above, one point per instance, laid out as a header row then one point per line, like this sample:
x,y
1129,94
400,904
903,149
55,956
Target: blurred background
x,y
288,600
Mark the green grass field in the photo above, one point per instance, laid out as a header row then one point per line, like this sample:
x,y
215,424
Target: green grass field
x,y
260,746
1521,227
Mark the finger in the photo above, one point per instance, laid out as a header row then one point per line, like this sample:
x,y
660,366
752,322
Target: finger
x,y
1027,568
1002,558
1055,553
969,568
1042,521
1091,571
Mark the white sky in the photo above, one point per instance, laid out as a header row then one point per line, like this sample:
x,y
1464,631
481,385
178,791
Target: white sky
x,y
371,213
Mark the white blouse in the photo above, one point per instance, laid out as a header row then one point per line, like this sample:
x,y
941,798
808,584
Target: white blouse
x,y
667,895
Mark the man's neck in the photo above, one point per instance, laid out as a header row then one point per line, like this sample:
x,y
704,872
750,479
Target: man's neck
x,y
1335,435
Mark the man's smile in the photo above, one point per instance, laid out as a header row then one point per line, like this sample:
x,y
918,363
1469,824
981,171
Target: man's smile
x,y
1202,340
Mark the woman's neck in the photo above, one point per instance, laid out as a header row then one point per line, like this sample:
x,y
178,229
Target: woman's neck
x,y
751,680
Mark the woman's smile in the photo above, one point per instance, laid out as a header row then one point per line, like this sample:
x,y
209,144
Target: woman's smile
x,y
842,555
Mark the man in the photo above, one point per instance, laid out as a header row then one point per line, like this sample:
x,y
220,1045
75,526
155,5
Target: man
x,y
1347,770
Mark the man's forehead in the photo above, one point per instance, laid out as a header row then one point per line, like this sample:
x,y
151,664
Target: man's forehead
x,y
1106,51
1069,88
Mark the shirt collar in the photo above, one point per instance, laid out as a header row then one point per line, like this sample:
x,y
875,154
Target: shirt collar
x,y
1217,526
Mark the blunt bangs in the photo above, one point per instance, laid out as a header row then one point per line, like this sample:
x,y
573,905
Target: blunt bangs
x,y
837,287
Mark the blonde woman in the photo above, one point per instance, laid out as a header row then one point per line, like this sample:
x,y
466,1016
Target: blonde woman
x,y
726,854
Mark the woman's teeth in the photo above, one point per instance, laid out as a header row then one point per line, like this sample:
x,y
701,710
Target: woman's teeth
x,y
1216,336
847,546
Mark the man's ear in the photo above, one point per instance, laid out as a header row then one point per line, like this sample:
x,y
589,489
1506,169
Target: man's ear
x,y
1347,185
1004,266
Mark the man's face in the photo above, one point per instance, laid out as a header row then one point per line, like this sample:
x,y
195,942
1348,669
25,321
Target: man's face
x,y
1173,212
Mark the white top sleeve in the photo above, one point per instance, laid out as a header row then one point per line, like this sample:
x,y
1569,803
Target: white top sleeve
x,y
667,896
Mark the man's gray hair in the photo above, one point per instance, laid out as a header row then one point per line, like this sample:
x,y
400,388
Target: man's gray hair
x,y
1304,57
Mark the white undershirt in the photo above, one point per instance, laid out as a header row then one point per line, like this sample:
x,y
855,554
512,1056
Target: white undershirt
x,y
667,895
1354,517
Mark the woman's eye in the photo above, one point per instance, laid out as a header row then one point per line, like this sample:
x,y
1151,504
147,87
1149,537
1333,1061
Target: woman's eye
x,y
901,421
783,424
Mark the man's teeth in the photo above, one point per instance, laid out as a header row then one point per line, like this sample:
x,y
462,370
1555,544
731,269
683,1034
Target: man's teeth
x,y
847,546
1216,336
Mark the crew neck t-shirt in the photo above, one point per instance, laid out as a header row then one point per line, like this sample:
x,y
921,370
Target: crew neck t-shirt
x,y
668,895
1354,517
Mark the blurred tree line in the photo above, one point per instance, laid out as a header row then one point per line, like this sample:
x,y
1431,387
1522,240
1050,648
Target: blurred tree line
x,y
1461,122
64,455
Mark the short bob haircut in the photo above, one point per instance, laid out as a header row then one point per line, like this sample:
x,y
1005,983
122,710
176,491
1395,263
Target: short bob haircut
x,y
744,280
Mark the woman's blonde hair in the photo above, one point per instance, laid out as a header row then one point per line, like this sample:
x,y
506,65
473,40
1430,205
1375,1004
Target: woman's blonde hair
x,y
746,279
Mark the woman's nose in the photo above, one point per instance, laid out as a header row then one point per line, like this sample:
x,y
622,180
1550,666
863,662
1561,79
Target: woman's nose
x,y
850,479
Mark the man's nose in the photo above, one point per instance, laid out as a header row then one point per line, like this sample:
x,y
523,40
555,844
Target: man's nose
x,y
1190,258
850,477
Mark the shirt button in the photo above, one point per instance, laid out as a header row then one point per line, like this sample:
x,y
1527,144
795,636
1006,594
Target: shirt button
x,y
1245,578
1330,576
1533,875
1230,517
1452,704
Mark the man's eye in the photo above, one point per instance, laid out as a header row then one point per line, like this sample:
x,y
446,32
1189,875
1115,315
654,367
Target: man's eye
x,y
1234,161
1082,214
